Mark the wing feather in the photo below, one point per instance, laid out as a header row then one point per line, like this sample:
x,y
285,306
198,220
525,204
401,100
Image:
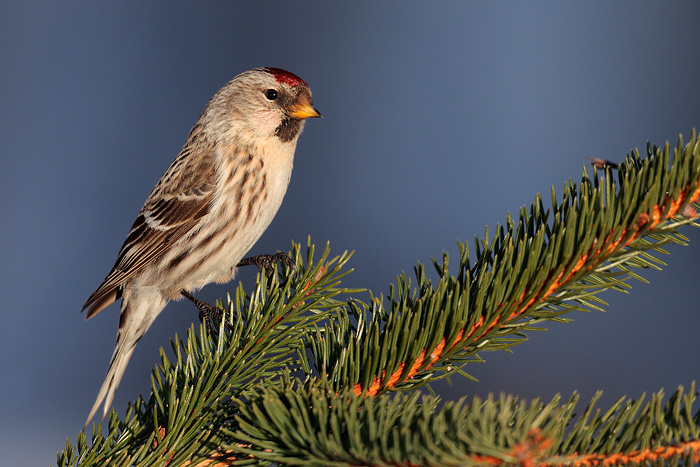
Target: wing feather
x,y
175,206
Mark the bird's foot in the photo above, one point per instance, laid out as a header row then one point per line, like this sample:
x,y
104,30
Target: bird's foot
x,y
210,315
266,262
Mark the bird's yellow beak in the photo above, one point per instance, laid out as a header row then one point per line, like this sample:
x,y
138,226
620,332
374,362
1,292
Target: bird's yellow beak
x,y
304,109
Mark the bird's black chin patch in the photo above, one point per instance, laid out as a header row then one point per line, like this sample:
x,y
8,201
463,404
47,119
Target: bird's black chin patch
x,y
288,129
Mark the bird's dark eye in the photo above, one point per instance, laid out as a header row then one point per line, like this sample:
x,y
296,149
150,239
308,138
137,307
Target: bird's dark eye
x,y
271,94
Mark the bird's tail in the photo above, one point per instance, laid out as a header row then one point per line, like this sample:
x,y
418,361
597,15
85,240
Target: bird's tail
x,y
138,312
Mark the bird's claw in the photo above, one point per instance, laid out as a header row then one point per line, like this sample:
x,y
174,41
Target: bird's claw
x,y
266,262
210,315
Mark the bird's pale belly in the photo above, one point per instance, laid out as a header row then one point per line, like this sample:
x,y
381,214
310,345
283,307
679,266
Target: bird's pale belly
x,y
218,251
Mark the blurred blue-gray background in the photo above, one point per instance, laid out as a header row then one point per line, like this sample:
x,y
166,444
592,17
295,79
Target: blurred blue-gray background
x,y
440,117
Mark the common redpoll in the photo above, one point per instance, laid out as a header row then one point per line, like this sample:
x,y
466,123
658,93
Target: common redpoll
x,y
209,208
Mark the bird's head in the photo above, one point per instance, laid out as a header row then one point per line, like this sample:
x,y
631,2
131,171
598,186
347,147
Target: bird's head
x,y
263,104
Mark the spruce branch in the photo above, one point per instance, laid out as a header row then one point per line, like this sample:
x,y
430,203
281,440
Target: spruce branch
x,y
261,337
301,372
309,426
549,263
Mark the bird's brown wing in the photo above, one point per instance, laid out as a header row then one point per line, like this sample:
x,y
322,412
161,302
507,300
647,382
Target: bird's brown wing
x,y
175,206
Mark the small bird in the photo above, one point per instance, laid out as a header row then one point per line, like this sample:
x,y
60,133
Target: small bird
x,y
208,209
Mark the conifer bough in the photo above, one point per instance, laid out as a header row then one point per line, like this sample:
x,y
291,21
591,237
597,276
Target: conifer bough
x,y
534,265
300,375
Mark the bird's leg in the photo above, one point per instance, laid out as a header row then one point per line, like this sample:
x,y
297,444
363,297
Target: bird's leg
x,y
266,262
210,315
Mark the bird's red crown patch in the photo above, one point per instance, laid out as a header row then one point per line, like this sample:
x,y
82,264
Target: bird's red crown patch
x,y
283,76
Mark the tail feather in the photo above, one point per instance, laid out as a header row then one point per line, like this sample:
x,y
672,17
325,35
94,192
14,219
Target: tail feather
x,y
140,307
120,359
